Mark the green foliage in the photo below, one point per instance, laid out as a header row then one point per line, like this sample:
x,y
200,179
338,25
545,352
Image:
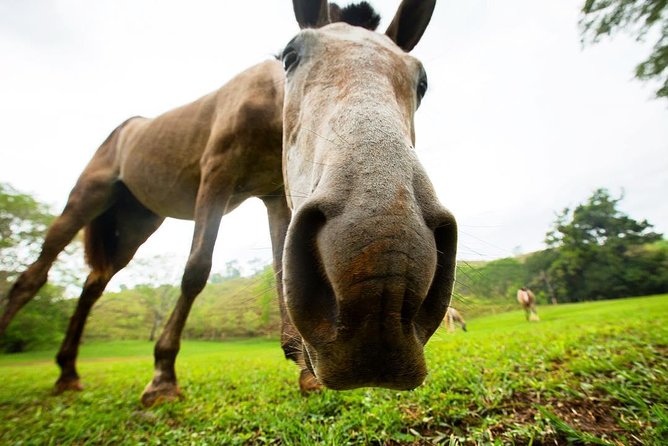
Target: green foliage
x,y
232,307
120,316
158,302
586,374
638,18
602,253
40,324
484,288
236,307
599,222
498,279
23,222
595,251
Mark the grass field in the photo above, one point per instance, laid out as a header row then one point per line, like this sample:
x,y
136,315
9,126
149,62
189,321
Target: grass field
x,y
594,373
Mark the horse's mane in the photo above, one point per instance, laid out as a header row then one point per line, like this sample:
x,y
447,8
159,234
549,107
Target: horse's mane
x,y
356,14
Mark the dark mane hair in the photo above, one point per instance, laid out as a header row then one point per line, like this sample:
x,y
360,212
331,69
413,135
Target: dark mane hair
x,y
357,14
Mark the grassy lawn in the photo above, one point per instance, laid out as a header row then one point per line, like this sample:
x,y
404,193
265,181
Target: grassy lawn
x,y
594,373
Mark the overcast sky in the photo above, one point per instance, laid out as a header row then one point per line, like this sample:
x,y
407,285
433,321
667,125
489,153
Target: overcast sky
x,y
519,121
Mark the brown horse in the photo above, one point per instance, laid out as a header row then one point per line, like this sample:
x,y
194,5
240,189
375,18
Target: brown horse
x,y
453,317
528,301
199,161
369,255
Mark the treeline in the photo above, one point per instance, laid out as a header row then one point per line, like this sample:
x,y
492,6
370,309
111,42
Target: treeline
x,y
594,252
233,307
230,306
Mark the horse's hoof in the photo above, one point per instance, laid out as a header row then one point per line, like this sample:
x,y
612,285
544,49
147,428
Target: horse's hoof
x,y
161,393
308,383
67,385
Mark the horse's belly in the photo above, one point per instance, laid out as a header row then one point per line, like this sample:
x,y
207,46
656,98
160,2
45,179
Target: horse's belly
x,y
163,174
166,192
162,196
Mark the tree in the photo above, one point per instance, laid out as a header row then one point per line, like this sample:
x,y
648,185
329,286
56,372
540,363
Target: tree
x,y
23,222
538,277
119,316
156,289
40,324
638,18
600,252
497,279
158,303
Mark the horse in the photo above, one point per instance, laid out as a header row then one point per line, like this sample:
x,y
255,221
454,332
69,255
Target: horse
x,y
528,301
453,317
369,257
198,162
378,221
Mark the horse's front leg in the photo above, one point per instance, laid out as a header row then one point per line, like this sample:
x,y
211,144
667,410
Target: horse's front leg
x,y
279,218
211,205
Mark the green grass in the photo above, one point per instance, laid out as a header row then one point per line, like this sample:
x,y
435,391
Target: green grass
x,y
594,373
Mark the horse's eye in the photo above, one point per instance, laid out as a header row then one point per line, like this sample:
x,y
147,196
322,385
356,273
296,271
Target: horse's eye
x,y
290,58
421,88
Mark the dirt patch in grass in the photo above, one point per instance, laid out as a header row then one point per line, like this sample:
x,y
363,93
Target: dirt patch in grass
x,y
593,414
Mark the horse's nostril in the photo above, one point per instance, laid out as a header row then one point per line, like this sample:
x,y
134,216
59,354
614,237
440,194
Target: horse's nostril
x,y
436,303
309,297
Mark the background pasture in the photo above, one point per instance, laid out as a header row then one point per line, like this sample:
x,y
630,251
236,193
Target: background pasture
x,y
590,373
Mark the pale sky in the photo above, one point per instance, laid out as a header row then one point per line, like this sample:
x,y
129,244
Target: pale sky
x,y
518,123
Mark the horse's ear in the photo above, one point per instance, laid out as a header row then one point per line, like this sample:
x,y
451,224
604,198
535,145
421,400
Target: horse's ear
x,y
311,13
410,21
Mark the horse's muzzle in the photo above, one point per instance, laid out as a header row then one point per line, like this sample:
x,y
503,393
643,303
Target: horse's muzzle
x,y
366,294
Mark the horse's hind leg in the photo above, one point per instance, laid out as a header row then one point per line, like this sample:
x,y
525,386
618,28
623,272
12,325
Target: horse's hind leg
x,y
112,239
534,313
93,193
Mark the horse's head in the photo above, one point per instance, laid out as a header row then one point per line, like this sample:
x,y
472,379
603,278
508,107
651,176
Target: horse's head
x,y
370,253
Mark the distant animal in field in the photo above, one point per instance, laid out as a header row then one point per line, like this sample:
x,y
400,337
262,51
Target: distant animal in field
x,y
452,318
528,301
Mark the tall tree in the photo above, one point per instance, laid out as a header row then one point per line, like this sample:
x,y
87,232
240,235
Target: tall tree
x,y
156,280
158,302
23,222
40,324
601,252
640,18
